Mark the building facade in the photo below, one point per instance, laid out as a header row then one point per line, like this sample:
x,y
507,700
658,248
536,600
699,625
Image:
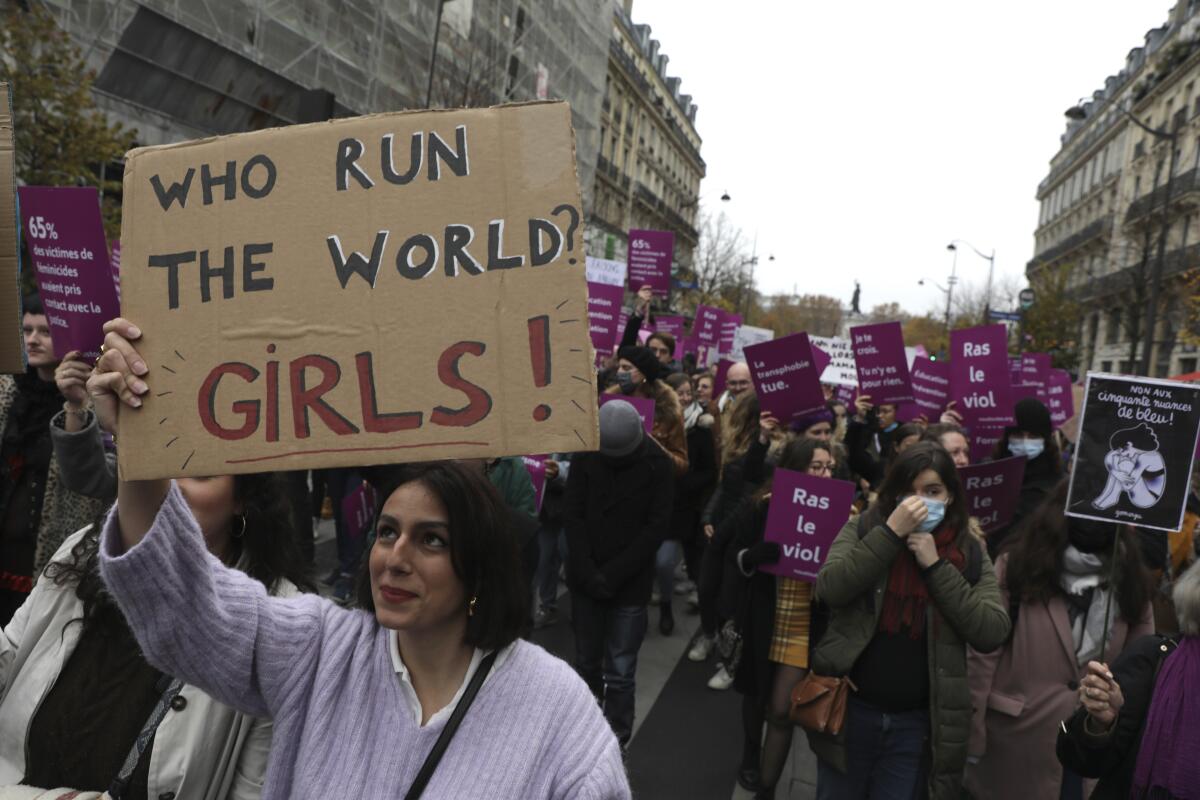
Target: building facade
x,y
1105,214
649,167
184,69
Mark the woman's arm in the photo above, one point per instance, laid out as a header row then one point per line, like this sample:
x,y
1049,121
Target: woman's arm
x,y
855,563
976,612
85,466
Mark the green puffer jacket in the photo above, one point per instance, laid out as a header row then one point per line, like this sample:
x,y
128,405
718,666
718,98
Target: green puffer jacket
x,y
852,583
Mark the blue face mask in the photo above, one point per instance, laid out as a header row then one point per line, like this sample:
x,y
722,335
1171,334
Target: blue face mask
x,y
1030,448
937,513
891,427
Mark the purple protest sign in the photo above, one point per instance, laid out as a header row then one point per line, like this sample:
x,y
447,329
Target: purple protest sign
x,y
820,358
358,510
650,254
846,395
992,490
536,467
114,261
881,362
669,323
786,377
643,405
805,516
1015,365
1034,367
70,262
931,389
707,325
984,439
684,345
730,323
980,380
1037,391
719,378
604,311
1059,398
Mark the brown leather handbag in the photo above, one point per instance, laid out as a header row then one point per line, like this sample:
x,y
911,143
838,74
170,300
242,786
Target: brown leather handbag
x,y
819,703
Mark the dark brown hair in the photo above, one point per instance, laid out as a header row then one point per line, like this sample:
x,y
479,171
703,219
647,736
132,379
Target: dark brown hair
x,y
483,547
908,466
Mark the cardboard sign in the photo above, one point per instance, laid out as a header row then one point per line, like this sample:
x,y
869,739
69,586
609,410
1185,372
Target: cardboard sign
x,y
786,378
536,467
984,439
1060,399
12,343
806,514
70,261
730,323
747,335
707,325
1034,367
114,262
358,510
980,382
931,386
604,310
842,370
366,290
1133,460
992,490
650,256
606,271
643,405
882,363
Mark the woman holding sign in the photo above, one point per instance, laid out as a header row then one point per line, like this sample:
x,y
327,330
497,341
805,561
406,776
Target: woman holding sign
x,y
425,684
1055,577
909,588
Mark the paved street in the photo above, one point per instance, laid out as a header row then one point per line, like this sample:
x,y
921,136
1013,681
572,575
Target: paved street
x,y
687,740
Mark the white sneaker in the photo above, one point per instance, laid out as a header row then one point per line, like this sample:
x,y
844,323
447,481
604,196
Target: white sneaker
x,y
655,598
684,587
701,648
721,681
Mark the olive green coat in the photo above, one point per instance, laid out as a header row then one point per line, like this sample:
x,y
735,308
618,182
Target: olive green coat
x,y
852,583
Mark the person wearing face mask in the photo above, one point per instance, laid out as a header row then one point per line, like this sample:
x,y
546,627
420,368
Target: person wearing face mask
x,y
638,375
37,512
1054,575
616,513
1029,438
870,439
908,588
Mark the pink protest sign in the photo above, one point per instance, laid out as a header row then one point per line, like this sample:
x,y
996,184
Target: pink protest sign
x,y
114,261
536,467
980,380
643,405
1059,398
70,262
650,254
984,439
786,377
707,325
604,311
730,323
992,490
358,510
881,362
1034,367
805,516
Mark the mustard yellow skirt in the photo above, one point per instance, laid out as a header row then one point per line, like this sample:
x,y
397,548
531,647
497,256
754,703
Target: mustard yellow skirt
x,y
793,610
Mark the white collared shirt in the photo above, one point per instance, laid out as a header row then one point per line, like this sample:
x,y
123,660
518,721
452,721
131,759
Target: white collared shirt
x,y
410,693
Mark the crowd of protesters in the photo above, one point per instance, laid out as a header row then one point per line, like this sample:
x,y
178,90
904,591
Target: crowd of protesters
x,y
165,639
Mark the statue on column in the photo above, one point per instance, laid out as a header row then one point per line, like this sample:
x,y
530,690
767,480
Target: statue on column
x,y
854,309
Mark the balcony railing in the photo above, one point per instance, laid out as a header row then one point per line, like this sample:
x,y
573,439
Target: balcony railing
x,y
658,205
1183,185
1099,228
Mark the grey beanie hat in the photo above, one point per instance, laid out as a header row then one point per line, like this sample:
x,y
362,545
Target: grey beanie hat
x,y
620,428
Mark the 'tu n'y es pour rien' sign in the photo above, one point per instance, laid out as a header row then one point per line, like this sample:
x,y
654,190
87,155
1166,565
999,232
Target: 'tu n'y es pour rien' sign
x,y
385,288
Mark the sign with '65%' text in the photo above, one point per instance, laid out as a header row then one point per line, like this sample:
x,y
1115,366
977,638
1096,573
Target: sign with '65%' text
x,y
386,288
806,514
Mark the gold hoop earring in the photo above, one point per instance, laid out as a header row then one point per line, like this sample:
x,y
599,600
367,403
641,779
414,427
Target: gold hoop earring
x,y
471,606
242,532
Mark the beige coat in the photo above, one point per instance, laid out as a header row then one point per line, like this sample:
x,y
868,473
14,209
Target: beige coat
x,y
1021,692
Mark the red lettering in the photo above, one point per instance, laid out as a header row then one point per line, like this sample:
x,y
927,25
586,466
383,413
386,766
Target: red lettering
x,y
373,421
206,402
272,401
479,402
305,399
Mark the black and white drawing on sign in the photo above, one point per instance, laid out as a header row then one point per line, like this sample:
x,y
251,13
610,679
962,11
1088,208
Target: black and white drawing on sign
x,y
1133,461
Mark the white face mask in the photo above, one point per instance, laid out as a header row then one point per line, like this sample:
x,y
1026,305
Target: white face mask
x,y
1030,448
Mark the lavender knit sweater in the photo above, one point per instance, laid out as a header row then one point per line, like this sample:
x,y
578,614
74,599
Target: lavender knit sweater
x,y
324,674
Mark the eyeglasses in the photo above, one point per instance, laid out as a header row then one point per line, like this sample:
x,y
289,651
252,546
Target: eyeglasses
x,y
738,384
818,468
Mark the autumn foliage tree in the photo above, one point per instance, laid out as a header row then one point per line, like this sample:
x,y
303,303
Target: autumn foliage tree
x,y
1052,324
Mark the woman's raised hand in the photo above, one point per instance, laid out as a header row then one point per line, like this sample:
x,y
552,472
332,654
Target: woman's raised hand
x,y
907,516
117,377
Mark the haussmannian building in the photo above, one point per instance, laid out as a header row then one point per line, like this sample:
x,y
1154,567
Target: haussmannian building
x,y
1104,202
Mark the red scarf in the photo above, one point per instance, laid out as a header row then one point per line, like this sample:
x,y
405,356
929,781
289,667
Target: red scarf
x,y
907,596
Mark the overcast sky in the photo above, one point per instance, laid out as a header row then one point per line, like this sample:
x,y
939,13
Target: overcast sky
x,y
858,139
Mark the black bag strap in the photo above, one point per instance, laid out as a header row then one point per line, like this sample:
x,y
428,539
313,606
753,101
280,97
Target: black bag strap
x,y
120,783
443,742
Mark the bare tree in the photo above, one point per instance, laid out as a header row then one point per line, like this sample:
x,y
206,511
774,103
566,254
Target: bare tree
x,y
720,264
815,314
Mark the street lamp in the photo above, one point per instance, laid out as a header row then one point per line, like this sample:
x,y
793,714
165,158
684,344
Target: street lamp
x,y
987,302
1077,112
725,197
953,280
